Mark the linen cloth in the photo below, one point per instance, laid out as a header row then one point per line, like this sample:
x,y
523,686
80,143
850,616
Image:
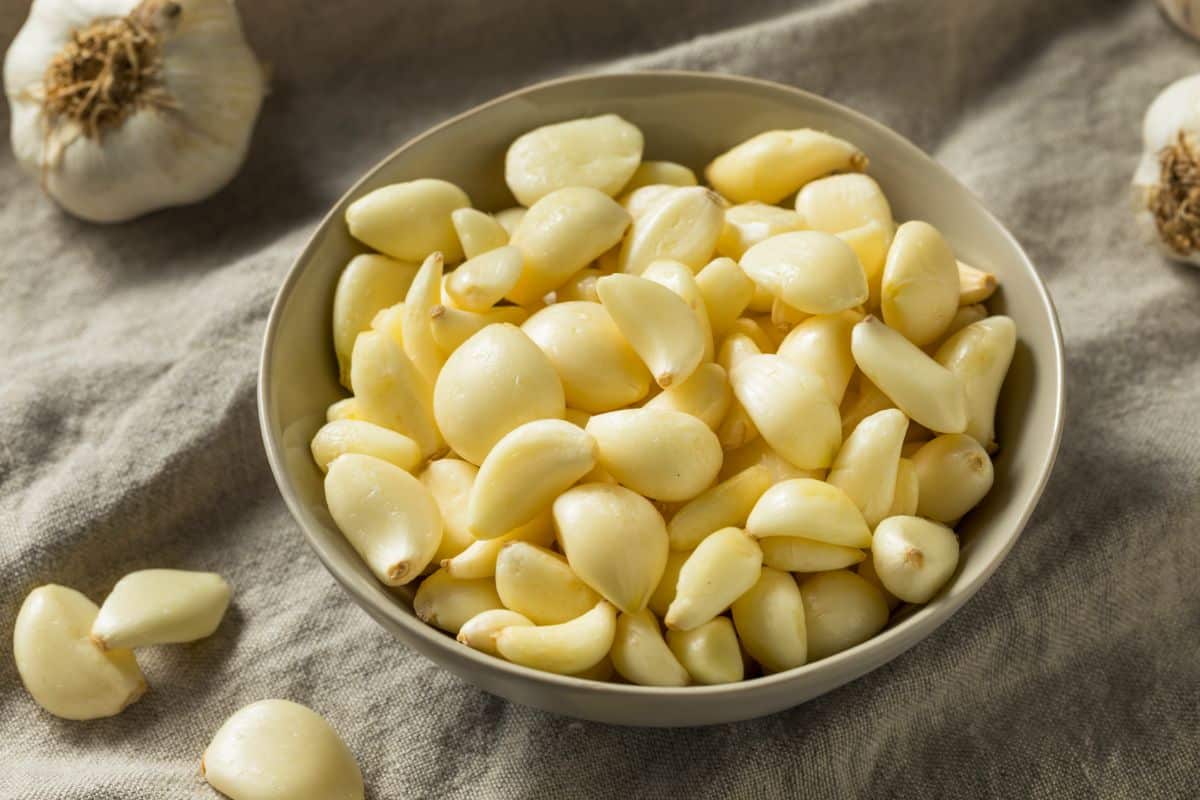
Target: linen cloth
x,y
129,437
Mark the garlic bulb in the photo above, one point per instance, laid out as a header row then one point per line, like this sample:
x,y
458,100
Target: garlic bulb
x,y
1166,185
1184,13
122,107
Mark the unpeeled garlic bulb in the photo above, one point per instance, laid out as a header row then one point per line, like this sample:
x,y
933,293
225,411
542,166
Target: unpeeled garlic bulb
x,y
121,108
1166,181
161,606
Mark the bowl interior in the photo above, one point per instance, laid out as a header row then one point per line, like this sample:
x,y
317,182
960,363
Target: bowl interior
x,y
688,118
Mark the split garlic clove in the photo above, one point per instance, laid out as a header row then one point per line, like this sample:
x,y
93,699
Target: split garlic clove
x,y
866,466
842,203
161,606
726,290
748,224
657,323
409,221
449,481
914,557
66,673
659,173
728,504
770,622
480,631
811,271
494,382
811,509
390,391
980,355
387,515
954,473
796,554
706,395
777,395
908,489
478,232
599,370
567,648
682,225
841,610
451,326
562,233
479,559
417,338
446,602
358,436
974,285
280,750
758,452
680,279
526,470
770,166
664,593
821,345
923,389
710,653
480,282
599,152
368,284
539,584
580,287
615,541
657,452
718,572
640,654
870,243
920,283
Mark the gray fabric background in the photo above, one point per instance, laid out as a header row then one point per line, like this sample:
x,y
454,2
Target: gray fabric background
x,y
129,439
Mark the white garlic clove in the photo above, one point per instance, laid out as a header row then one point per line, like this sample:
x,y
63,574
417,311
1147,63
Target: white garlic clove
x,y
870,243
450,326
746,340
638,201
368,284
409,221
479,632
478,232
710,653
539,584
783,318
770,623
614,539
390,391
821,345
980,355
510,218
682,225
480,282
726,290
866,571
664,593
640,654
346,408
954,473
758,452
598,152
494,382
776,395
446,602
974,285
811,271
449,481
914,557
841,610
748,224
842,203
721,568
706,395
811,509
862,399
728,504
659,173
657,323
280,750
358,436
907,493
680,279
387,515
479,559
567,648
926,391
390,322
580,287
919,293
161,606
795,554
866,465
770,166
657,452
417,337
64,671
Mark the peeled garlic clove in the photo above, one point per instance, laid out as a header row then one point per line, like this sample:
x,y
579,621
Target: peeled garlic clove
x,y
579,287
914,557
907,493
368,284
821,345
795,554
683,225
494,382
843,202
651,173
387,515
919,293
561,234
680,279
657,323
736,429
161,606
449,481
980,355
706,395
725,505
739,345
599,152
866,465
525,471
409,221
480,282
510,218
726,290
346,408
478,232
62,668
447,602
479,559
450,326
614,539
758,452
390,391
870,243
770,166
638,201
718,572
926,391
840,610
479,632
811,509
784,317
710,653
641,656
664,593
541,585
280,750
974,285
777,395
770,623
762,301
966,315
750,223
657,452
862,399
424,294
598,368
954,473
811,271
357,436
866,571
566,648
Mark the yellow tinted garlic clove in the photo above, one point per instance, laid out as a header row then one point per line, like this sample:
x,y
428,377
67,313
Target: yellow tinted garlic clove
x,y
862,399
680,279
422,297
842,203
866,571
450,326
161,606
659,173
480,282
346,408
728,504
657,323
510,218
776,395
479,559
750,223
980,355
914,557
770,166
870,243
449,481
409,221
974,285
660,453
664,593
390,391
811,271
640,654
866,465
540,584
721,568
954,473
706,395
357,436
710,653
478,232
368,284
919,293
821,345
726,290
479,632
759,452
811,509
966,315
770,623
599,152
841,609
567,648
683,225
447,602
907,494
795,554
640,200
579,287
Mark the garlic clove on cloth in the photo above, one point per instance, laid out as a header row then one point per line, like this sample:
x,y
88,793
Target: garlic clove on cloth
x,y
1166,185
127,107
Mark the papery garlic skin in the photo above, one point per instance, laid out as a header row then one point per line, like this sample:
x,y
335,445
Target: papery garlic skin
x,y
1171,128
186,130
